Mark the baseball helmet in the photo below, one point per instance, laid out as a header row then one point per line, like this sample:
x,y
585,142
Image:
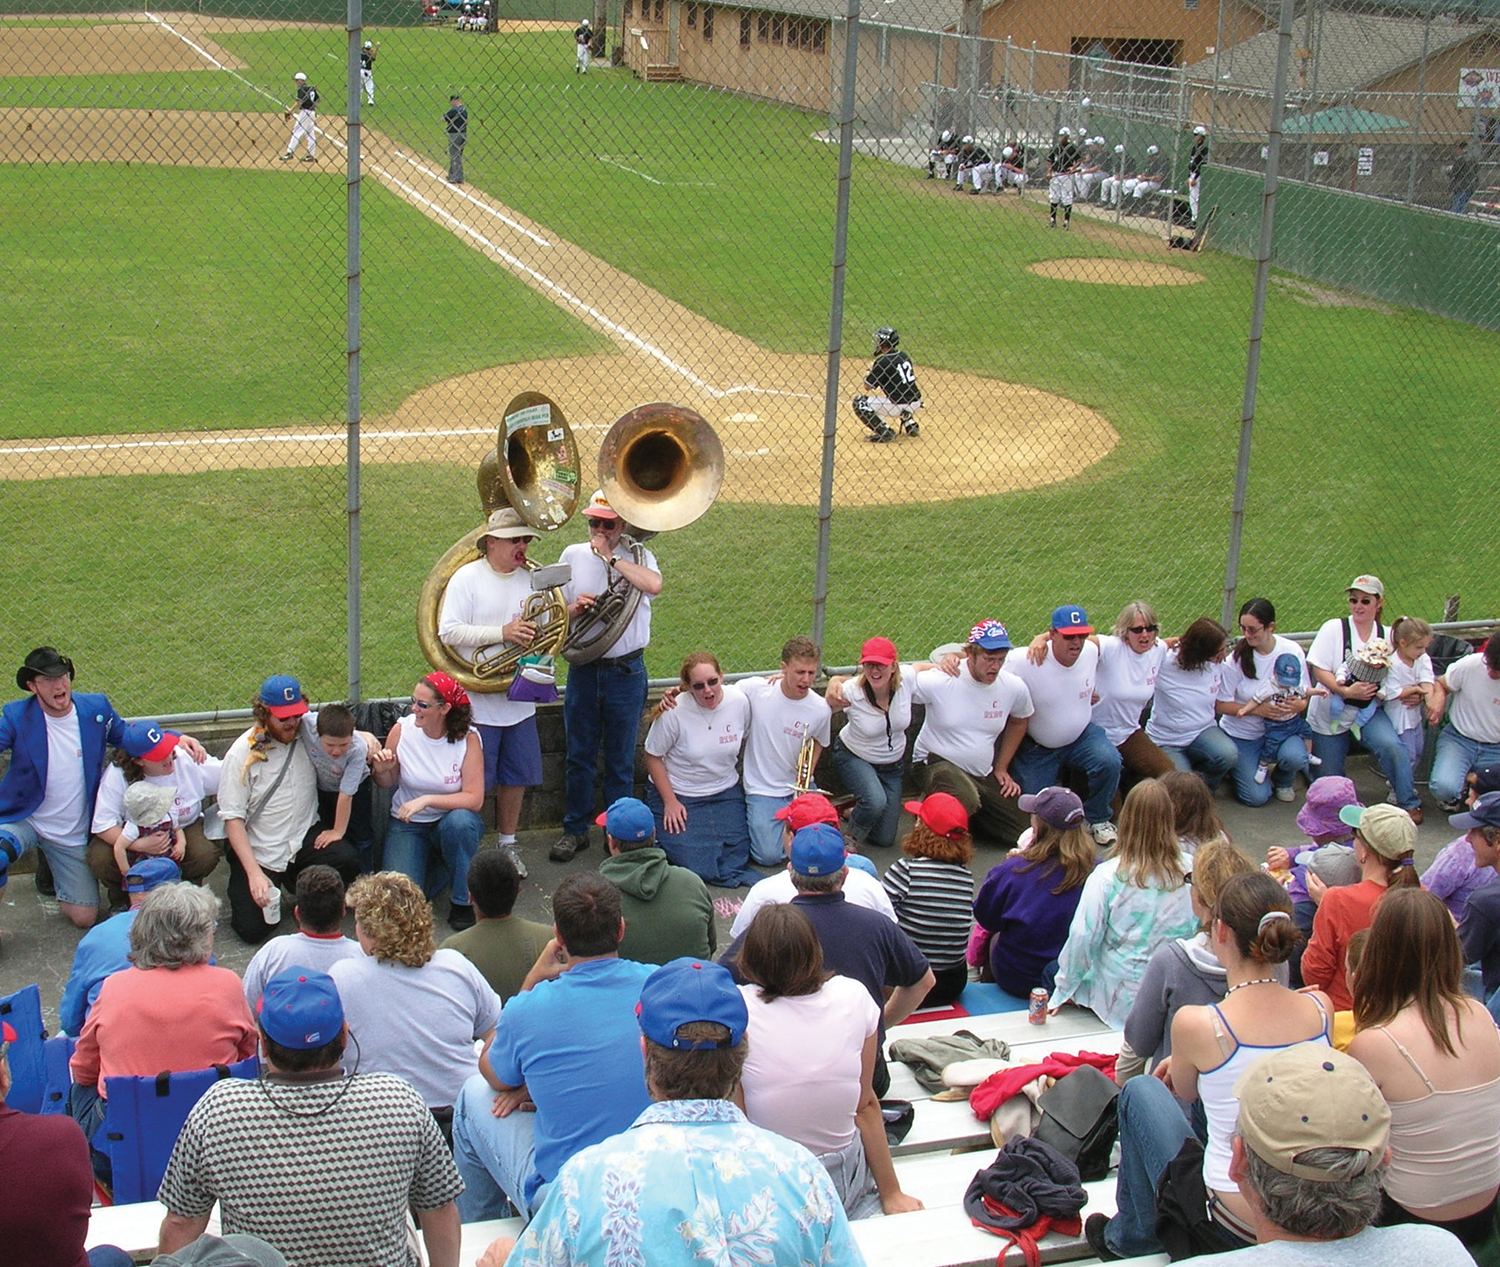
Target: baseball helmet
x,y
886,337
1008,152
968,140
585,22
1064,131
368,44
1119,149
947,135
1153,149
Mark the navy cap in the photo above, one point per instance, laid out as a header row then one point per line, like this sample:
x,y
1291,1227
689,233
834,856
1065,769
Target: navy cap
x,y
818,850
301,1009
1287,669
628,819
687,990
1485,812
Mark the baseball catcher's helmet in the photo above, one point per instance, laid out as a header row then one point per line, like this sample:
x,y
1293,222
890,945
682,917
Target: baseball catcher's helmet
x,y
886,338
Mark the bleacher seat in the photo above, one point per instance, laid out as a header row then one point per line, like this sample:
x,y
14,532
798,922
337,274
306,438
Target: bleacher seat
x,y
22,1011
56,1077
143,1119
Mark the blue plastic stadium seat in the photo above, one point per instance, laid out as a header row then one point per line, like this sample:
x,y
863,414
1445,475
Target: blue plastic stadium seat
x,y
22,1011
144,1118
57,1079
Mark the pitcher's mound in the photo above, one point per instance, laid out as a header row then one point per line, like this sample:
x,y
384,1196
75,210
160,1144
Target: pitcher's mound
x,y
1113,272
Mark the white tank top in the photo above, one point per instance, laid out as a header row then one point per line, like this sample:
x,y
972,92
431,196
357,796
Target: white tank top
x,y
429,767
1222,1108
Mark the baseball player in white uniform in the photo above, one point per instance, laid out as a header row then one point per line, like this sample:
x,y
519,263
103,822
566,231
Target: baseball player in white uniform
x,y
583,37
1109,187
1197,160
367,57
1062,162
1091,169
304,112
1148,180
944,151
1011,169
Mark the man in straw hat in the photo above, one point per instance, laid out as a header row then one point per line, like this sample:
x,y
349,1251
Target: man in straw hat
x,y
691,1179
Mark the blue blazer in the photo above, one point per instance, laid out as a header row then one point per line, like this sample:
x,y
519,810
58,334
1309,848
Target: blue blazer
x,y
23,732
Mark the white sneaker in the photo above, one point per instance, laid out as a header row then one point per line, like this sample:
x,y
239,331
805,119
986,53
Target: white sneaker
x,y
1286,794
1104,833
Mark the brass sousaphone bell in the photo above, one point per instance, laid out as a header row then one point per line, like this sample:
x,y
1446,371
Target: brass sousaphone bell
x,y
660,467
533,469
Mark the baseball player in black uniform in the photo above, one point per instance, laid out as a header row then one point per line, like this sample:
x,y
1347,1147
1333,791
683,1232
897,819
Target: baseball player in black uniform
x,y
893,377
367,57
305,113
456,123
583,37
944,150
1197,160
1063,161
975,164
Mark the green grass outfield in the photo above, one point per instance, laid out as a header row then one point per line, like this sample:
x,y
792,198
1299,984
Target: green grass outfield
x,y
1364,416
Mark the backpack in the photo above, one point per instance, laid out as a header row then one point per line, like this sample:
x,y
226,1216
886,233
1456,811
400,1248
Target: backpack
x,y
1080,1119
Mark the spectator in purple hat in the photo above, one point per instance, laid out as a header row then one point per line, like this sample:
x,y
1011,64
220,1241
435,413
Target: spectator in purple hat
x,y
148,754
1331,856
1027,902
1453,875
975,721
1061,733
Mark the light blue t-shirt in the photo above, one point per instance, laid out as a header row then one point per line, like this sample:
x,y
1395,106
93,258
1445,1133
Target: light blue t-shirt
x,y
343,774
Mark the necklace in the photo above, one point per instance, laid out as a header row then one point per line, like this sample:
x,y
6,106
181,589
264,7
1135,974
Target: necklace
x,y
1257,981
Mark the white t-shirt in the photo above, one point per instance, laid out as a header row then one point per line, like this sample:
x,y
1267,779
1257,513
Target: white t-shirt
x,y
1235,687
1405,1245
1183,706
876,737
1475,710
429,767
965,717
62,817
477,604
860,888
1328,652
802,1076
420,1024
591,577
1405,716
778,726
276,824
1063,698
700,746
295,950
1125,684
189,781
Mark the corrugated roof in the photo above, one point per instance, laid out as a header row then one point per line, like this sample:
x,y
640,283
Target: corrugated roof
x,y
1350,51
920,15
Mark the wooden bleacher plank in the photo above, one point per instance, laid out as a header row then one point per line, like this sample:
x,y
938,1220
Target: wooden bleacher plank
x,y
1013,1027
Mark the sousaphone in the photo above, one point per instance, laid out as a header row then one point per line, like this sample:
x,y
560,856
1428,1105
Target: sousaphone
x,y
660,467
533,469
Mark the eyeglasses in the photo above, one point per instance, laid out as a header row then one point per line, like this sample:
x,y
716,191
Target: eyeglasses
x,y
1188,878
706,683
1252,631
603,525
423,704
1361,600
1140,629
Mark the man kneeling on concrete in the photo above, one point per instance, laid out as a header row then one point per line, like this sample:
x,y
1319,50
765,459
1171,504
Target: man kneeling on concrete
x,y
667,910
691,1180
321,1165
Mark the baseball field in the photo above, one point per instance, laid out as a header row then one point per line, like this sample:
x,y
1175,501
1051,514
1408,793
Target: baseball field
x,y
171,408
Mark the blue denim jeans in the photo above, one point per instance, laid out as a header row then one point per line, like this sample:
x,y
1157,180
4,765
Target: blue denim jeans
x,y
1456,755
602,710
409,849
1153,1129
766,830
1212,754
1035,767
715,844
495,1156
877,795
70,869
1378,737
1291,760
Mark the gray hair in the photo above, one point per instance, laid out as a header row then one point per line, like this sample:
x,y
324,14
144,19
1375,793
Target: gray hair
x,y
174,927
831,883
1343,1205
1136,613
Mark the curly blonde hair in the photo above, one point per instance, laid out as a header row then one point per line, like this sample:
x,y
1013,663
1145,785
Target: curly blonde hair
x,y
391,910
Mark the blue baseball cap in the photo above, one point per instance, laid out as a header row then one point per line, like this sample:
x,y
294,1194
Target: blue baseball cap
x,y
282,694
151,873
146,741
628,819
687,990
1071,619
1288,669
991,635
818,850
301,1009
1485,812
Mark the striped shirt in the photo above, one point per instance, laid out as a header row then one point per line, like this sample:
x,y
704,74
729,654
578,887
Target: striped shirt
x,y
934,904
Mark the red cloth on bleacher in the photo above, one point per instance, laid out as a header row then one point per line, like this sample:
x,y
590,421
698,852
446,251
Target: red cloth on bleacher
x,y
999,1087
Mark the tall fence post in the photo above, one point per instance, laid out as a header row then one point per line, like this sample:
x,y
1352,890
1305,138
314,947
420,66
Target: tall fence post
x,y
836,319
1416,127
1257,312
355,25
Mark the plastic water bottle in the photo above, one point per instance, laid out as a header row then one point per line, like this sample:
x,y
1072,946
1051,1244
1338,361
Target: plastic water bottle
x,y
272,909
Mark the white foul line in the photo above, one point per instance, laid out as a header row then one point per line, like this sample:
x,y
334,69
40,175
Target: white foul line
x,y
468,197
687,184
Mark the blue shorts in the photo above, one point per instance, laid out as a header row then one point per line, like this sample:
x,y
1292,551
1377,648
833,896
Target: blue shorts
x,y
512,755
70,869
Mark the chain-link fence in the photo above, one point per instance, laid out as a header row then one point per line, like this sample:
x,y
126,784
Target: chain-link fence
x,y
237,376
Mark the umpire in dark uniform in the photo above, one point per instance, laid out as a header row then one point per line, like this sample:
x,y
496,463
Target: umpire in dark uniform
x,y
456,121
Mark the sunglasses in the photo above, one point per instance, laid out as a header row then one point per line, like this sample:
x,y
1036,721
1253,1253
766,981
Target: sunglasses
x,y
706,683
1361,600
1140,629
423,705
604,525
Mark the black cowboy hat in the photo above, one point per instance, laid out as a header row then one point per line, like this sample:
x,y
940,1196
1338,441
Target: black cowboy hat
x,y
43,662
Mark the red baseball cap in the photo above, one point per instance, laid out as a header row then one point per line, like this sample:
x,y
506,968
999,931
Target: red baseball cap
x,y
943,813
807,809
878,651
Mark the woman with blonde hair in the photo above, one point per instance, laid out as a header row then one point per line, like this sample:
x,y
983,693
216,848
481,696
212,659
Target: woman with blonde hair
x,y
1136,900
1435,1055
694,788
413,1010
932,891
1185,972
1026,903
1252,933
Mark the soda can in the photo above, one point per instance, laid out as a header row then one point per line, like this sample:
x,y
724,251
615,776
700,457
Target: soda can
x,y
1036,1007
